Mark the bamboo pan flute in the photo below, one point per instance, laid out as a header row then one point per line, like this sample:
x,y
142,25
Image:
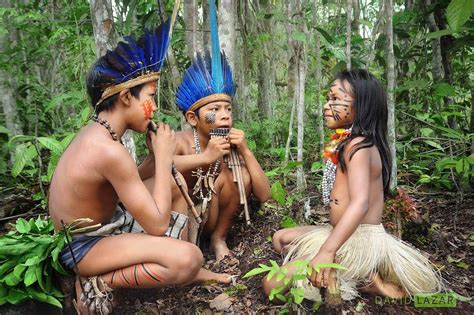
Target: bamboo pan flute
x,y
233,162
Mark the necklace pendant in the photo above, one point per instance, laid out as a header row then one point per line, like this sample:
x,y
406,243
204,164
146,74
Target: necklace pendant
x,y
204,205
211,185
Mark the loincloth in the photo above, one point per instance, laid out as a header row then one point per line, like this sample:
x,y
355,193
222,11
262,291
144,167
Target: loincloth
x,y
370,249
80,246
122,222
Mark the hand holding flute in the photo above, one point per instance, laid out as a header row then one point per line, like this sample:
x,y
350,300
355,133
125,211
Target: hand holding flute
x,y
237,139
154,128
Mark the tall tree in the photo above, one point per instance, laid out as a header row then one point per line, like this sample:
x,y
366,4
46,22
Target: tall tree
x,y
227,21
300,57
191,21
318,77
348,33
265,72
7,83
391,90
104,36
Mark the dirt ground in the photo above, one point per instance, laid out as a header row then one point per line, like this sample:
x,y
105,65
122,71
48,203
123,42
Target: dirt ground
x,y
444,233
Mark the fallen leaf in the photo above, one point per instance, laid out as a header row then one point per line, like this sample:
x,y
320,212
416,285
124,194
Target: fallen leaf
x,y
222,302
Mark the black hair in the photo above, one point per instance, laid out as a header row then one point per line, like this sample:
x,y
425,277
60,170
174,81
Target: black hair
x,y
370,118
96,82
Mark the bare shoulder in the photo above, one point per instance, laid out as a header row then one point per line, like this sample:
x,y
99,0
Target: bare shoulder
x,y
184,142
351,149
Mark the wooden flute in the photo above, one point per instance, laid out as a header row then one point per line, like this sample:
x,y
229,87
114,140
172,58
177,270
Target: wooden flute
x,y
233,162
153,127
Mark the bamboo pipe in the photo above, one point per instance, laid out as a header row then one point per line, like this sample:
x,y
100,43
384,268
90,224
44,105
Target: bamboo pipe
x,y
233,161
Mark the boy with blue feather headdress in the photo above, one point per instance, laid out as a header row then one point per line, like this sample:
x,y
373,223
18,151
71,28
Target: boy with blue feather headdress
x,y
96,171
205,98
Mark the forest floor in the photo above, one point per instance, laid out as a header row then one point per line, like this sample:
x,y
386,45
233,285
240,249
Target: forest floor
x,y
444,233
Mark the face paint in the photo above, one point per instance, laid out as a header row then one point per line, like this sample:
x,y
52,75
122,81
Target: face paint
x,y
147,106
210,118
338,111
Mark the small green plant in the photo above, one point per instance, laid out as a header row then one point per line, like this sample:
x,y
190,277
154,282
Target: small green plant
x,y
292,296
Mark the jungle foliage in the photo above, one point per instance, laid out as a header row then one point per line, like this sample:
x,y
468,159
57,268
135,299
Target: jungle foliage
x,y
47,47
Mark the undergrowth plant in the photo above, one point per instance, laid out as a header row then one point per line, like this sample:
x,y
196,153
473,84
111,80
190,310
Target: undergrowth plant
x,y
291,295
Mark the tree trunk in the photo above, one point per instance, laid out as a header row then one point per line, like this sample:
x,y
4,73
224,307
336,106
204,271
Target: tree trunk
x,y
348,33
103,27
266,77
206,31
300,58
318,78
241,63
376,30
447,43
7,83
227,12
191,22
355,20
437,60
391,90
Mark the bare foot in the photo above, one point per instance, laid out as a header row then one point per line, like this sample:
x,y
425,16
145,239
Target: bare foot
x,y
388,289
205,276
219,246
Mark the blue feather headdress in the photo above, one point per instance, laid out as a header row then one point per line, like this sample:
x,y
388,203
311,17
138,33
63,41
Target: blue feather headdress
x,y
135,62
208,79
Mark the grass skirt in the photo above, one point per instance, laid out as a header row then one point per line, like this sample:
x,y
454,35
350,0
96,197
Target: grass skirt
x,y
369,249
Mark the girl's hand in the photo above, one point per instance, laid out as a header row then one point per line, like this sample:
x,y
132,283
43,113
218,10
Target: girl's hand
x,y
321,279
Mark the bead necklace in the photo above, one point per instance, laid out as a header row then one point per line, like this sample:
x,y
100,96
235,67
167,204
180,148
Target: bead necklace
x,y
107,126
331,155
204,180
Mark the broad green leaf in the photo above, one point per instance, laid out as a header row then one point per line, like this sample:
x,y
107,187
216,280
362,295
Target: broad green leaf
x,y
426,132
4,130
463,265
23,156
11,279
439,34
254,272
458,12
280,276
461,166
52,144
53,162
278,193
287,222
22,226
16,296
445,164
18,271
281,297
444,89
329,265
30,276
433,144
271,274
298,294
316,166
326,35
67,140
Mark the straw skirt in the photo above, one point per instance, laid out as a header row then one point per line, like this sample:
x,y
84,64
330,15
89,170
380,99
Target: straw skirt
x,y
369,249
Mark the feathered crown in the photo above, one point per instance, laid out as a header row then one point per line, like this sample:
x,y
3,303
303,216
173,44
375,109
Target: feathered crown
x,y
133,63
209,78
